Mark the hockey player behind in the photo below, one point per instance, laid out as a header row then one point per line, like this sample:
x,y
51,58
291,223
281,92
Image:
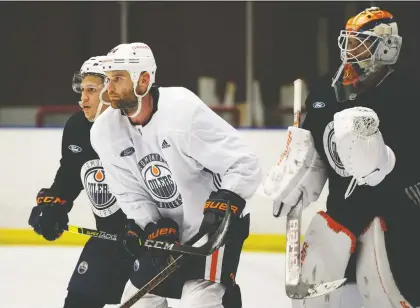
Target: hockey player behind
x,y
361,134
104,267
169,160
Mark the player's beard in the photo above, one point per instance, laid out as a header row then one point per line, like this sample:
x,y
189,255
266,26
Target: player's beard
x,y
127,105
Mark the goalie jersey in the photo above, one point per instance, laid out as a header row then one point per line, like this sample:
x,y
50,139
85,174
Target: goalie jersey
x,y
397,104
80,168
169,167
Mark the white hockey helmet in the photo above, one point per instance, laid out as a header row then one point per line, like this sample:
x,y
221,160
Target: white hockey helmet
x,y
134,58
92,66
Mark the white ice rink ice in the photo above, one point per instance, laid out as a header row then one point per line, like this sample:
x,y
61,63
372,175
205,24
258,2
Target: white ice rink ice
x,y
37,277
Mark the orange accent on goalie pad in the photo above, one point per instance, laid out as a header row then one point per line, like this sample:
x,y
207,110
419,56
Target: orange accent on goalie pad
x,y
382,223
326,250
339,228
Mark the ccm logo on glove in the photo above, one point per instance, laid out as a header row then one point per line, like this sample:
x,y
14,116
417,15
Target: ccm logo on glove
x,y
49,199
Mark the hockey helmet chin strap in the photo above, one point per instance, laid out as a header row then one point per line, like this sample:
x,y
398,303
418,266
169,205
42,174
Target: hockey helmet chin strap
x,y
139,100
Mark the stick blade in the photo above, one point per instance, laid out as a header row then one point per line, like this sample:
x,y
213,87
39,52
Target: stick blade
x,y
217,238
303,290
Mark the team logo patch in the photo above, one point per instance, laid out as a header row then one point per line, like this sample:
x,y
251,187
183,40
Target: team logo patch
x,y
82,268
330,148
158,179
136,265
94,180
318,105
127,152
75,148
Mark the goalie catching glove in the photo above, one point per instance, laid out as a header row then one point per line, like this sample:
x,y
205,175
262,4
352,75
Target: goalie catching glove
x,y
360,145
300,173
49,218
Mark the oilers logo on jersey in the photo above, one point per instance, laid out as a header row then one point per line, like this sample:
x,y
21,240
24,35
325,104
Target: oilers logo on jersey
x,y
330,148
159,181
93,179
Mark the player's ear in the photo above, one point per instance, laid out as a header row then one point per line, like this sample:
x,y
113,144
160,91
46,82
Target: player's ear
x,y
144,79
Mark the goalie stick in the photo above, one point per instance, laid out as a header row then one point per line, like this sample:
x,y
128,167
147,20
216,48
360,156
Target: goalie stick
x,y
295,287
205,250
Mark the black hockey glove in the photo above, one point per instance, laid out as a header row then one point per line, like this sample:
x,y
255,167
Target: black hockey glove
x,y
164,230
132,236
49,218
215,207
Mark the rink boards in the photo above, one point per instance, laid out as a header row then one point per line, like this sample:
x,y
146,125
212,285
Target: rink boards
x,y
29,159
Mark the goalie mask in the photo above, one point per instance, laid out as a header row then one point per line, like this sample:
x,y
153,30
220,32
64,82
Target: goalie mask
x,y
135,58
92,67
369,42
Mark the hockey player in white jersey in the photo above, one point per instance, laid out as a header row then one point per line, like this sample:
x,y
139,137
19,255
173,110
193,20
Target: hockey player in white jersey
x,y
167,157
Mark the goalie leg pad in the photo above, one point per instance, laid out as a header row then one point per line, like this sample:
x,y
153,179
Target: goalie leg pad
x,y
373,272
326,250
346,297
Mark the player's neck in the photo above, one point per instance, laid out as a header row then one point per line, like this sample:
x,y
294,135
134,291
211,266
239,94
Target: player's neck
x,y
146,111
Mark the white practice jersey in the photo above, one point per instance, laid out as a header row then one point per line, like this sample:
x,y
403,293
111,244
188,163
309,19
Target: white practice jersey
x,y
169,167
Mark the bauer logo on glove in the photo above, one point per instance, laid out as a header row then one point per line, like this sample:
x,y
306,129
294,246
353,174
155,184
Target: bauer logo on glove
x,y
215,208
219,205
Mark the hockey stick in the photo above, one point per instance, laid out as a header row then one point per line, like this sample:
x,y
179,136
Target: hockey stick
x,y
205,250
159,278
92,233
295,287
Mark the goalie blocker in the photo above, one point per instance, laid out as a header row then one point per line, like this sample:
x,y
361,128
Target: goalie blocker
x,y
300,172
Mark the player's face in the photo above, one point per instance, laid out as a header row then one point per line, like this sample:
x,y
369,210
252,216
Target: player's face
x,y
358,48
120,90
91,88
